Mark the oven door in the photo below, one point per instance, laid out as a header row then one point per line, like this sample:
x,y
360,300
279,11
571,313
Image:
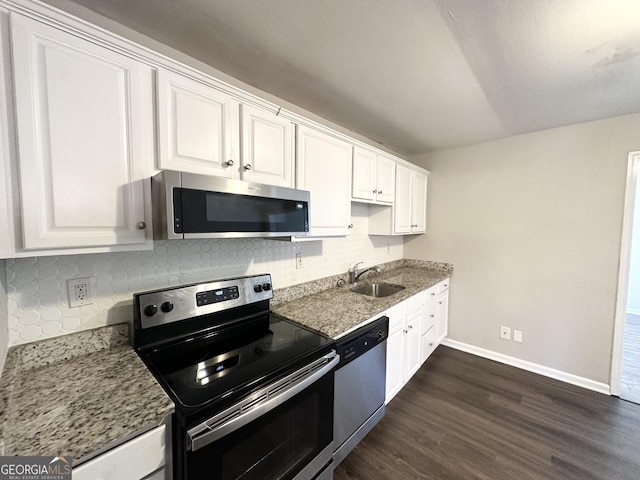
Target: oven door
x,y
283,431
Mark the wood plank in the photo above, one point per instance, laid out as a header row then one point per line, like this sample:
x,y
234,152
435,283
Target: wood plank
x,y
466,417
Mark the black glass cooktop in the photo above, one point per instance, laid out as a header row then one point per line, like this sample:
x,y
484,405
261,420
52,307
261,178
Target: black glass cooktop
x,y
235,361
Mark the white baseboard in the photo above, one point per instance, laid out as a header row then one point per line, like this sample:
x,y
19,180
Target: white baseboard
x,y
530,366
633,311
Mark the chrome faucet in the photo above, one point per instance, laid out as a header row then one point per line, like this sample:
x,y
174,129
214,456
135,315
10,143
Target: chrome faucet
x,y
354,273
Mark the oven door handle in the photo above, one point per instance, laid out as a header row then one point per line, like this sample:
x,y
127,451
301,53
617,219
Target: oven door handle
x,y
263,401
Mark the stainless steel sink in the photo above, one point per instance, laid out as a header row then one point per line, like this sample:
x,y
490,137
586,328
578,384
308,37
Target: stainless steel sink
x,y
377,289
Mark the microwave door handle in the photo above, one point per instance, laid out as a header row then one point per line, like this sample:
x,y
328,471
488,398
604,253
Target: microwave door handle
x,y
202,435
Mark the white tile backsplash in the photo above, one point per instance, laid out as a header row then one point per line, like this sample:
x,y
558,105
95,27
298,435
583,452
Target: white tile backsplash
x,y
37,301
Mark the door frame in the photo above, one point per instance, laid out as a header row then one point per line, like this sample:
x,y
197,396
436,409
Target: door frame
x,y
633,168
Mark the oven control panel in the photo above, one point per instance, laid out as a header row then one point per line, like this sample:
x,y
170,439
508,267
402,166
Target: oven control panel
x,y
218,295
173,304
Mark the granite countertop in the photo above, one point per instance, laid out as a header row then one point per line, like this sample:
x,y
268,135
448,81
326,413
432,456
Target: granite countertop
x,y
77,395
337,311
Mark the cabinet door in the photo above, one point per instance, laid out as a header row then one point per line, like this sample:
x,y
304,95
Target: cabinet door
x,y
412,345
267,148
395,363
442,315
7,248
364,174
419,210
403,200
386,180
198,127
85,136
324,168
395,349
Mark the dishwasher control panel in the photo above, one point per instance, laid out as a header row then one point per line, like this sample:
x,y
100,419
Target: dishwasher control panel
x,y
362,340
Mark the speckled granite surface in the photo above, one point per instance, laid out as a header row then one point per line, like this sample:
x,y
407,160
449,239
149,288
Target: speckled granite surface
x,y
336,311
77,395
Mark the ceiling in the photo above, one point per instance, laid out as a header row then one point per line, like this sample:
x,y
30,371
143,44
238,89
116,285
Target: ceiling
x,y
414,75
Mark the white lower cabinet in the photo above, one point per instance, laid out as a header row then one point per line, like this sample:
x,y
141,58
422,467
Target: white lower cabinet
x,y
395,350
435,319
403,344
442,310
417,326
143,458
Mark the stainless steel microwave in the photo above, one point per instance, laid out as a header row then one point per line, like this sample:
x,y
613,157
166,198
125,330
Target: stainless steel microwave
x,y
187,205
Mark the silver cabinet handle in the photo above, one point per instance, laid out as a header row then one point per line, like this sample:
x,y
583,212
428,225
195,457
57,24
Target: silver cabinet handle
x,y
230,163
380,191
247,166
375,191
410,326
351,226
141,225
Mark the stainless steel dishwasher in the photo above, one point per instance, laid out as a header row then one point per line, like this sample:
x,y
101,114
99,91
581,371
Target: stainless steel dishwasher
x,y
359,385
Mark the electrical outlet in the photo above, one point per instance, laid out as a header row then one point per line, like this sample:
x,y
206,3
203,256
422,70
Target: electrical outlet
x,y
517,336
299,260
79,291
505,333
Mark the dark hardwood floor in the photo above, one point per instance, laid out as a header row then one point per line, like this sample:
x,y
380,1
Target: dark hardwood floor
x,y
465,417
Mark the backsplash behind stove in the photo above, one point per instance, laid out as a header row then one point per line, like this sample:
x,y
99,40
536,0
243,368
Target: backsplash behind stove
x,y
38,306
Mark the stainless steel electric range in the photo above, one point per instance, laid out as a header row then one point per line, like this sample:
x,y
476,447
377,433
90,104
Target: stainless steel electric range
x,y
253,391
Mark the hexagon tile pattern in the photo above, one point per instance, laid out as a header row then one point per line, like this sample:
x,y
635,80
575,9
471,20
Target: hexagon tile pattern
x,y
37,301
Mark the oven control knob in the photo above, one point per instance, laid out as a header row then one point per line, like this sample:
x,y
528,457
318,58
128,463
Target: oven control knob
x,y
166,307
266,286
257,288
150,310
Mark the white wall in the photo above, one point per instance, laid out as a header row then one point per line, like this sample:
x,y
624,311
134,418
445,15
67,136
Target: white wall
x,y
533,224
37,298
633,294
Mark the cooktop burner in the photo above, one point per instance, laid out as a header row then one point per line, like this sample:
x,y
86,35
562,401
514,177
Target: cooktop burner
x,y
213,367
204,352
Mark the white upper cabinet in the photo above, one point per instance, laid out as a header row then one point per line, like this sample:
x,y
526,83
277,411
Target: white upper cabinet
x,y
419,203
323,166
386,180
408,214
198,127
201,129
6,225
403,221
373,177
85,136
267,148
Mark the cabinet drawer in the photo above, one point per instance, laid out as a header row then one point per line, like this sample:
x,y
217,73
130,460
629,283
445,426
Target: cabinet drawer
x,y
133,460
443,285
429,343
397,316
429,317
431,293
415,303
